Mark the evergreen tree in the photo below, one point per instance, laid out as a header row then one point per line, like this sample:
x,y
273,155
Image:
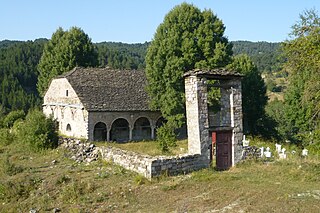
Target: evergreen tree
x,y
187,39
65,50
254,97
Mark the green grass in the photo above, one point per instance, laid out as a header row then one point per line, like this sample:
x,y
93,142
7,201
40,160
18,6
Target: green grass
x,y
252,186
148,147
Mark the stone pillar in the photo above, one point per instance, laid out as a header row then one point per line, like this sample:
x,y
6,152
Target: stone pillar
x,y
236,120
130,133
108,134
197,115
152,132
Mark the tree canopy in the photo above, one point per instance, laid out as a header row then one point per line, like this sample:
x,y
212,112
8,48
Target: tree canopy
x,y
64,51
187,39
302,99
254,97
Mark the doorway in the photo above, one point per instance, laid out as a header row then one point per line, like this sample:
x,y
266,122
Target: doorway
x,y
223,141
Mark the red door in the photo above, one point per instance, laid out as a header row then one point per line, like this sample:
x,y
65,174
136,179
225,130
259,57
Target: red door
x,y
224,149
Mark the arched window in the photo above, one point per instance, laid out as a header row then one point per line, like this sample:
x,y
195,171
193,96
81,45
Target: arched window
x,y
100,132
68,128
141,130
120,130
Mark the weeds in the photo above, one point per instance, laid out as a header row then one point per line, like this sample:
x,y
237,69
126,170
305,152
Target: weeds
x,y
10,168
140,180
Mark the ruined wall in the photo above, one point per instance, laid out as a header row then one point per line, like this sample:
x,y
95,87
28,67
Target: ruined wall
x,y
149,166
62,102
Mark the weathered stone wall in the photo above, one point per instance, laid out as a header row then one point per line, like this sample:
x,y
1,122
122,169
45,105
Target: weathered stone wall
x,y
62,102
197,115
236,119
199,119
149,166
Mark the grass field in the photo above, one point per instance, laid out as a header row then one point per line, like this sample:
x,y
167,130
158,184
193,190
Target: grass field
x,y
148,147
49,180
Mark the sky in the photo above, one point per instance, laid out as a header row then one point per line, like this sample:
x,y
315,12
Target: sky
x,y
136,21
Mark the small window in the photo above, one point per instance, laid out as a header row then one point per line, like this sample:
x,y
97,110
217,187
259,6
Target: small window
x,y
67,92
68,127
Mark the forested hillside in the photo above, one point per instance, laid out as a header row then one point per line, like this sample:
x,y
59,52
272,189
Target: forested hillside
x,y
19,60
265,55
18,74
121,55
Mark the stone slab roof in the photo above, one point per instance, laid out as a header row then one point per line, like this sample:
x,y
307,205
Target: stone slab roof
x,y
219,73
105,89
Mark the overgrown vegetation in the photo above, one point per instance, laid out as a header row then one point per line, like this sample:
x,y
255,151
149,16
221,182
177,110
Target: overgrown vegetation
x,y
47,180
34,131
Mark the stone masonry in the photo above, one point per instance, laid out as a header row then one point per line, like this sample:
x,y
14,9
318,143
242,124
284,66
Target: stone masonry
x,y
197,116
198,123
228,118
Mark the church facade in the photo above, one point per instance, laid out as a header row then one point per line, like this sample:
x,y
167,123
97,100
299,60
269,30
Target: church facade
x,y
102,104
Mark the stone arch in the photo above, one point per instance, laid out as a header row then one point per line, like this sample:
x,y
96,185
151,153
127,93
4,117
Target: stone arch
x,y
100,132
142,129
68,128
120,130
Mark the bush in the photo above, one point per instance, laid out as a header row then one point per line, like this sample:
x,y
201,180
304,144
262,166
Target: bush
x,y
37,131
12,117
166,136
6,137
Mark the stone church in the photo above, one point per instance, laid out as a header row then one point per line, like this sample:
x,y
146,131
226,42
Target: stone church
x,y
102,104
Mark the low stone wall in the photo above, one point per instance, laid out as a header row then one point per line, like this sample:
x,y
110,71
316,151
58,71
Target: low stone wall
x,y
149,166
145,165
127,159
173,165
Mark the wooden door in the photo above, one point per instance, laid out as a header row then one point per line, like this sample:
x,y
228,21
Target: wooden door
x,y
223,150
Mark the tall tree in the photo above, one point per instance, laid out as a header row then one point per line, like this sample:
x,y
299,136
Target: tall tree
x,y
187,39
65,50
303,65
254,97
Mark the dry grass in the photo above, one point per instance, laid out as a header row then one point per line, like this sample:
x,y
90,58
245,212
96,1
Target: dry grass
x,y
148,147
39,183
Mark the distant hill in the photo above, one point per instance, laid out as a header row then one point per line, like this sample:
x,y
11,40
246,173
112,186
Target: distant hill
x,y
121,55
264,54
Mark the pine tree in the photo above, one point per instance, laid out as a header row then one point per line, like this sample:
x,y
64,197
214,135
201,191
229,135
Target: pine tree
x,y
65,50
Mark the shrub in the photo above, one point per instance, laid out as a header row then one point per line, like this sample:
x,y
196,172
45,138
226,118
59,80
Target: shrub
x,y
6,137
12,117
38,132
166,137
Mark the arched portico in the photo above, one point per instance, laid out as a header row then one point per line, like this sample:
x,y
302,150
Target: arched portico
x,y
142,129
120,130
100,132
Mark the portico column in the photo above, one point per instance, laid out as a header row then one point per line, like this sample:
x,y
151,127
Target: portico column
x,y
108,135
152,132
130,133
